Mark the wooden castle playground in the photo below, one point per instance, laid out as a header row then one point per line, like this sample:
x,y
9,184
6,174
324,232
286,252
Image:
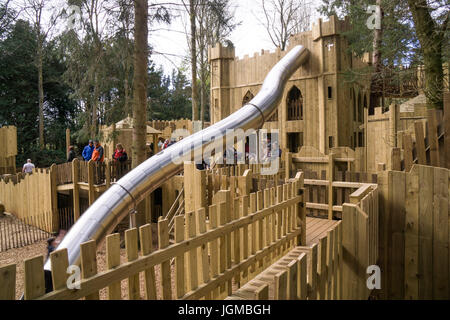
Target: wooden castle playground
x,y
356,188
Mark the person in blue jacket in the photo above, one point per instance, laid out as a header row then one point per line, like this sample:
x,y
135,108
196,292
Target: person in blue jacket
x,y
87,151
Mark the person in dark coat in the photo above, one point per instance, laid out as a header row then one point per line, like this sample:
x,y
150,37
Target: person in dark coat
x,y
72,155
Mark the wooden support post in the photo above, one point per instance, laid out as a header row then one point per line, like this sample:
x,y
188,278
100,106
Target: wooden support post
x,y
331,157
76,189
288,164
407,151
420,143
446,124
91,182
67,141
433,138
107,173
54,200
395,159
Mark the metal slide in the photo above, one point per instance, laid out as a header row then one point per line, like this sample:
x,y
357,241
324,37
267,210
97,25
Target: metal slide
x,y
121,198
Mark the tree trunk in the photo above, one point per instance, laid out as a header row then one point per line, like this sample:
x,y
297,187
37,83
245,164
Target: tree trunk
x,y
202,88
95,107
140,83
41,93
193,60
430,38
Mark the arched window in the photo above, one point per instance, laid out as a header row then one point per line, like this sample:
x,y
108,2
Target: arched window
x,y
247,98
294,104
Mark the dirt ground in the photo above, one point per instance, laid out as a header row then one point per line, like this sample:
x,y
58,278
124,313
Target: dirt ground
x,y
19,255
14,233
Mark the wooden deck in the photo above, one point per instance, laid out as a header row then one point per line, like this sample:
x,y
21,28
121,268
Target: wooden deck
x,y
317,228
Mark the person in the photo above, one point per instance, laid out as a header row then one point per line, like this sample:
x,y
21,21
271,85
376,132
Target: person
x,y
98,155
71,155
28,167
160,143
120,154
87,151
51,246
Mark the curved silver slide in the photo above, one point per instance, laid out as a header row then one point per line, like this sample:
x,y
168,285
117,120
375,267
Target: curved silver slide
x,y
112,206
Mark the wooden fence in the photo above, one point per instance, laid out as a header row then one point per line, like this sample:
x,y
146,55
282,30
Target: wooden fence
x,y
211,256
414,233
428,144
27,195
16,233
305,273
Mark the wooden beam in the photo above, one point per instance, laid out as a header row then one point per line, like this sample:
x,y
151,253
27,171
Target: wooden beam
x,y
420,143
433,138
446,124
76,189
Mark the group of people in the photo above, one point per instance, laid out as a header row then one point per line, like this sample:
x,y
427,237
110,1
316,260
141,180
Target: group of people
x,y
163,144
95,152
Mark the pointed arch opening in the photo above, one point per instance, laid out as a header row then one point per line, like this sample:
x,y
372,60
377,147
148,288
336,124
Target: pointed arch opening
x,y
247,98
294,104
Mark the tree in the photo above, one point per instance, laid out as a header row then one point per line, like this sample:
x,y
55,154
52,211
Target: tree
x,y
35,10
140,80
283,18
433,36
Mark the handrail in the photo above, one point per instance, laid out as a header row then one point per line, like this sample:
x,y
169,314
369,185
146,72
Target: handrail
x,y
122,198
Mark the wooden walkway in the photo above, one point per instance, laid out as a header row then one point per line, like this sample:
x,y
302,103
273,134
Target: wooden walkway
x,y
317,228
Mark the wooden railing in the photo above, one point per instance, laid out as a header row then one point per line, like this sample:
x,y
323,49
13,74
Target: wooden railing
x,y
230,245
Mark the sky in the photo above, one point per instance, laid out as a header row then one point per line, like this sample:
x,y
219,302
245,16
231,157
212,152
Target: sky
x,y
249,37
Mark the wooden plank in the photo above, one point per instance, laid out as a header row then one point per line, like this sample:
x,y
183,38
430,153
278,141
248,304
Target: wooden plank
x,y
446,124
245,235
407,151
145,233
34,278
89,264
330,245
131,244
322,268
179,260
203,269
281,285
396,159
292,269
426,232
8,282
214,245
397,248
420,142
440,235
262,293
412,236
112,261
163,242
302,286
60,263
433,138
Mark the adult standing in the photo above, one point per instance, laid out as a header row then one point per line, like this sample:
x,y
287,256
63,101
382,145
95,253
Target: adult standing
x,y
98,154
28,167
87,151
72,155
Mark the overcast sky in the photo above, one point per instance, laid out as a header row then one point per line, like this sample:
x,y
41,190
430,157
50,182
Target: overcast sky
x,y
249,37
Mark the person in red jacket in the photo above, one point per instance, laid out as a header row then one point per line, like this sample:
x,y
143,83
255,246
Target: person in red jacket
x,y
120,154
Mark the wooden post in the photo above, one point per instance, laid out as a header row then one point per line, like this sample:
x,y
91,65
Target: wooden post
x,y
107,173
420,143
288,164
395,159
54,199
407,151
330,185
67,141
433,138
76,189
447,129
91,182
